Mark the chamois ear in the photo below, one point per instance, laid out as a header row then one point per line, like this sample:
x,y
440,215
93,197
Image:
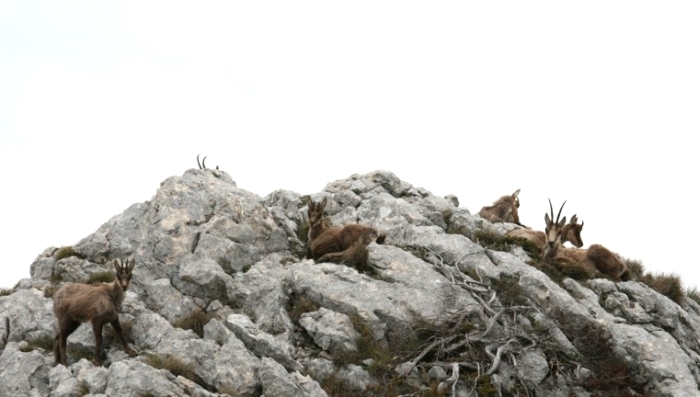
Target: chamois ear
x,y
573,220
116,266
323,203
562,222
131,265
515,194
547,221
309,202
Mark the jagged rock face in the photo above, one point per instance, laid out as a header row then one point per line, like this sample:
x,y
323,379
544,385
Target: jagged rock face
x,y
224,302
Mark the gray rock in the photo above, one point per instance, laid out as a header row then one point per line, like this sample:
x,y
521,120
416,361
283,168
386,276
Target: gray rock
x,y
201,242
331,331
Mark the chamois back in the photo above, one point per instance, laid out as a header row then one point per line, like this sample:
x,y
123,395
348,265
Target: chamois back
x,y
505,209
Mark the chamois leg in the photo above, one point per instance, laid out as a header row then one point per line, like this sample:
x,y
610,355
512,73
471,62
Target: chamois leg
x,y
97,330
65,328
118,329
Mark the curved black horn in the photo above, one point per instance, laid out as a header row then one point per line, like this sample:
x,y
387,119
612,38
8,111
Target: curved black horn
x,y
562,207
198,163
204,167
551,210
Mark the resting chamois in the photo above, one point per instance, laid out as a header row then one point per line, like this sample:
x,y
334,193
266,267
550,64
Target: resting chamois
x,y
505,209
570,232
596,258
76,303
346,244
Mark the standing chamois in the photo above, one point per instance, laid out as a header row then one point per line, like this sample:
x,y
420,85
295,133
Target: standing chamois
x,y
505,209
596,258
346,244
76,303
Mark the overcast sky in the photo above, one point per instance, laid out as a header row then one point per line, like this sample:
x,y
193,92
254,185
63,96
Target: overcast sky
x,y
595,102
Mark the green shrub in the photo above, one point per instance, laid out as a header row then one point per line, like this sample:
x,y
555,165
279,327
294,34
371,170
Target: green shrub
x,y
5,291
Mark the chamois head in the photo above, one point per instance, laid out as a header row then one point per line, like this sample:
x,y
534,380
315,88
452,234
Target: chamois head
x,y
316,216
572,232
553,231
505,209
123,270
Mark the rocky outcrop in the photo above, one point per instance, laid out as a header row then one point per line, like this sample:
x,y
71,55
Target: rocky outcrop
x,y
224,302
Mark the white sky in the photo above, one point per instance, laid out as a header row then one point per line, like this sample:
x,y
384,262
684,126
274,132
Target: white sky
x,y
594,102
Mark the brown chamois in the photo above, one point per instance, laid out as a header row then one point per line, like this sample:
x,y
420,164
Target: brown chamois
x,y
76,303
347,244
596,258
570,232
505,209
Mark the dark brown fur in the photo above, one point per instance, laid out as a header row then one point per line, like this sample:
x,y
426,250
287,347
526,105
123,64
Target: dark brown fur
x,y
505,209
76,303
356,256
338,243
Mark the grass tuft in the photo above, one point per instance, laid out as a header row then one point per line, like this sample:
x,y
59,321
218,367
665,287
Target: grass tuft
x,y
66,252
173,364
195,320
101,277
44,342
666,284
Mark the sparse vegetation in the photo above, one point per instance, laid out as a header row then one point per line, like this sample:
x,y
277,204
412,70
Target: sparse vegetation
x,y
101,277
299,305
610,374
44,342
666,284
694,294
66,252
173,364
195,320
5,291
669,285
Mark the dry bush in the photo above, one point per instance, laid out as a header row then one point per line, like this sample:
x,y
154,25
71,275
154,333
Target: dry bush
x,y
173,364
101,277
666,284
195,320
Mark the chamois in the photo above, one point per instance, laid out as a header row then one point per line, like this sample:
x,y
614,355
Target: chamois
x,y
596,258
570,232
76,303
505,209
347,244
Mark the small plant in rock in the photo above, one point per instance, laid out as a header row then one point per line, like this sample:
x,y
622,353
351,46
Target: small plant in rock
x,y
299,305
101,277
44,342
669,285
666,284
173,364
83,389
694,294
66,252
5,291
195,320
637,270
